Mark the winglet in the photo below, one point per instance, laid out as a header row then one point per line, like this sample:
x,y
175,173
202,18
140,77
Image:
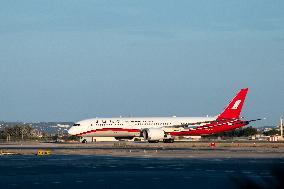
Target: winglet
x,y
234,108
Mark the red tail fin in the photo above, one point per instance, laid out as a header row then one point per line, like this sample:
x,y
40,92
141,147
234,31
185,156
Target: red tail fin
x,y
234,109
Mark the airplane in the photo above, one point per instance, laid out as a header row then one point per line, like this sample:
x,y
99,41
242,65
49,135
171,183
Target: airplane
x,y
155,129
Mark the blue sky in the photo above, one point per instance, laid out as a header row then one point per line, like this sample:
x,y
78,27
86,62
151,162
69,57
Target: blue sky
x,y
75,59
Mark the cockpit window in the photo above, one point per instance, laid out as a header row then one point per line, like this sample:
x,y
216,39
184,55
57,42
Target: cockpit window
x,y
76,124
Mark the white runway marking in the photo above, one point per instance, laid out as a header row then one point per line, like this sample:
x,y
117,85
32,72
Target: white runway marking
x,y
149,167
56,182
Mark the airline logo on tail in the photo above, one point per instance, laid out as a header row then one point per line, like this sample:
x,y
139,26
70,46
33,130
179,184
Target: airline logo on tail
x,y
236,105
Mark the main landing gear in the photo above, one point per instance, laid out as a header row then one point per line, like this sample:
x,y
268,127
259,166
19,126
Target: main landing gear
x,y
170,140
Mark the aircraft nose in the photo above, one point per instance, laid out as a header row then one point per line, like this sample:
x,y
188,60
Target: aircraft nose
x,y
71,131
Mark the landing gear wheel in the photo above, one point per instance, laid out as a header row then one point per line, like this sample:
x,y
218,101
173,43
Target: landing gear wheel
x,y
171,140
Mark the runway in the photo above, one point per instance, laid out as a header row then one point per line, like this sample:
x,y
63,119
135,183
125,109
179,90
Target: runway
x,y
77,171
160,150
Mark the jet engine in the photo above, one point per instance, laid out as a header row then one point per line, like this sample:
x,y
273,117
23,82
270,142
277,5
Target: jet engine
x,y
153,134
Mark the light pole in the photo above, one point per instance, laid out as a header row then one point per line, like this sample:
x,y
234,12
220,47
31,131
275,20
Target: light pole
x,y
281,127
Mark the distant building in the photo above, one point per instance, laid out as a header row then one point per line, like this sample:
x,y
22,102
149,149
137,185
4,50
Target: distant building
x,y
273,138
267,129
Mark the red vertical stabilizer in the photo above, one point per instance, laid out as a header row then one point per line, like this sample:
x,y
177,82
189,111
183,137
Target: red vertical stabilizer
x,y
233,110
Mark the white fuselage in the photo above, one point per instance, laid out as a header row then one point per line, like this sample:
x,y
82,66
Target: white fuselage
x,y
128,127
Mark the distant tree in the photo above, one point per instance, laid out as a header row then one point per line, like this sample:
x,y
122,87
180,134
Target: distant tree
x,y
16,132
9,132
240,132
249,131
72,137
55,137
271,132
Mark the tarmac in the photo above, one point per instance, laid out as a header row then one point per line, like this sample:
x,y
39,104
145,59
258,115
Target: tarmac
x,y
249,149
